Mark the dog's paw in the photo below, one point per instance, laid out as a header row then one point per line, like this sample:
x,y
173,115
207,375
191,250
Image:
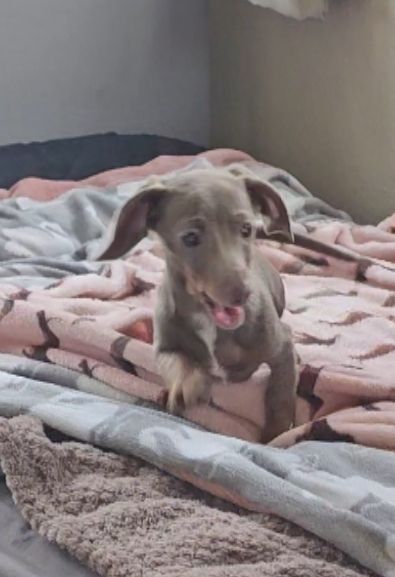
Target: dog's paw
x,y
186,384
189,391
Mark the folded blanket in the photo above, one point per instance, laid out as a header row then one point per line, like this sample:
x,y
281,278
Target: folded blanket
x,y
100,323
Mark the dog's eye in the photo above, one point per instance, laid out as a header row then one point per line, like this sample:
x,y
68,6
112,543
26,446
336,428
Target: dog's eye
x,y
246,230
191,238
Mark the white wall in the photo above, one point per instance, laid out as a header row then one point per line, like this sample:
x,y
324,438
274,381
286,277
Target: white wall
x,y
316,98
73,67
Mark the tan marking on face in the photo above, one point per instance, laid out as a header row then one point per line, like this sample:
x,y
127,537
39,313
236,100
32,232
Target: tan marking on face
x,y
194,286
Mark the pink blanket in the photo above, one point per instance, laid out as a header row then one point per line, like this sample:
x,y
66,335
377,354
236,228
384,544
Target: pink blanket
x,y
342,315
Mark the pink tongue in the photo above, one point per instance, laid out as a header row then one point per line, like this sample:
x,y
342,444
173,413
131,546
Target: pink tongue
x,y
227,317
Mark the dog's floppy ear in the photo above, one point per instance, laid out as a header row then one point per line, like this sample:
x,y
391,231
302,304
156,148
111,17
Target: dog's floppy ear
x,y
132,222
275,219
264,197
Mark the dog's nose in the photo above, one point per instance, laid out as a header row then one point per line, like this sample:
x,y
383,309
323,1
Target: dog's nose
x,y
240,296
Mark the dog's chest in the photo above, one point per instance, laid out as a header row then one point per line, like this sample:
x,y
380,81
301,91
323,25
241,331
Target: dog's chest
x,y
205,329
228,358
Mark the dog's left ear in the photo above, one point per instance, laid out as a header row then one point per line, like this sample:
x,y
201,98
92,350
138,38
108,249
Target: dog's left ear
x,y
266,200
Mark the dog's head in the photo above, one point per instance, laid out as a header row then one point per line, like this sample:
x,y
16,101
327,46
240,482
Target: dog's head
x,y
207,220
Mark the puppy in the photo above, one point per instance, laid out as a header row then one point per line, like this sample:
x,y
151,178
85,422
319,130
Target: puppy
x,y
219,307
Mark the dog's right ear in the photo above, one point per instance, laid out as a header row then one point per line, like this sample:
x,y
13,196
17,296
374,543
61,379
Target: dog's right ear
x,y
135,218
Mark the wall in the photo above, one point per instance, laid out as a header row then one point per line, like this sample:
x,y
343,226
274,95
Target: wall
x,y
316,98
72,67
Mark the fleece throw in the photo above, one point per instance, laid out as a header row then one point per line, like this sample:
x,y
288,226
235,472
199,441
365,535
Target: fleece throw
x,y
123,517
68,321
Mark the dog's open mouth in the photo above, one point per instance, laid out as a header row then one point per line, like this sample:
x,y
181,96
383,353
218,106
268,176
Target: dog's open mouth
x,y
228,318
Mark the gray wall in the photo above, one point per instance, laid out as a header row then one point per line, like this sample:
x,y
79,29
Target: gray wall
x,y
316,98
73,67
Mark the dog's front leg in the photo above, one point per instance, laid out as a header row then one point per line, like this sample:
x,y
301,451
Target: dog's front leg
x,y
281,393
186,384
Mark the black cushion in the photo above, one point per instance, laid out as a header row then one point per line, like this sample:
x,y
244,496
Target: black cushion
x,y
78,158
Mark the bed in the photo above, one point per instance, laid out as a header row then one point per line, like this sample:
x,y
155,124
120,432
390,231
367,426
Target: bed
x,y
96,476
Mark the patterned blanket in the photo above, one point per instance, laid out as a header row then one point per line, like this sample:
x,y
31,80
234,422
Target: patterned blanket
x,y
68,321
100,323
